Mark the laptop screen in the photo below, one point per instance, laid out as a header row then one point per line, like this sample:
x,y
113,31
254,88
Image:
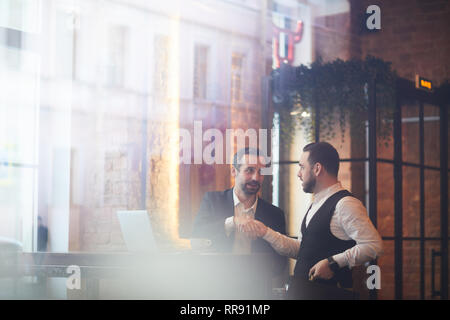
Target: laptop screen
x,y
137,230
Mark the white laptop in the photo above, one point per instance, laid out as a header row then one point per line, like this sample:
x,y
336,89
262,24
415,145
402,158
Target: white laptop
x,y
137,230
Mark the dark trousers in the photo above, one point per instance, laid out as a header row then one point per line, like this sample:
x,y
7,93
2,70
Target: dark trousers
x,y
303,289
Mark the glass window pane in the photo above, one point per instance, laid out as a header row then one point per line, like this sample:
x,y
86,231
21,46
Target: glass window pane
x,y
432,203
385,140
411,202
19,111
17,206
432,140
411,270
410,134
386,264
20,14
201,72
385,199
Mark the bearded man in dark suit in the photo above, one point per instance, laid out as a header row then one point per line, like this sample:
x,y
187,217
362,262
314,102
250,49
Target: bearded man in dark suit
x,y
223,214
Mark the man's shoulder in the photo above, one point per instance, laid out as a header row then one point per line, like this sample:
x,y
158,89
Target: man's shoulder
x,y
349,202
348,197
342,196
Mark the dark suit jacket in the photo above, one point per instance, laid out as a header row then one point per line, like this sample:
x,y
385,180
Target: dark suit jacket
x,y
210,223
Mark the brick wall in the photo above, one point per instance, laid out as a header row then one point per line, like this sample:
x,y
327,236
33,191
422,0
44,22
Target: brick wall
x,y
413,37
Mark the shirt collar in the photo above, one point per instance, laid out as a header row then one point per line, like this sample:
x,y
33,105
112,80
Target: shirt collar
x,y
236,201
327,192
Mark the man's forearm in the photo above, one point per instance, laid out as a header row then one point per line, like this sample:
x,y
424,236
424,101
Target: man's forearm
x,y
282,244
359,254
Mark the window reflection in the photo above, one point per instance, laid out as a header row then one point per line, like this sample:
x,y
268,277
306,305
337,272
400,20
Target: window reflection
x,y
95,93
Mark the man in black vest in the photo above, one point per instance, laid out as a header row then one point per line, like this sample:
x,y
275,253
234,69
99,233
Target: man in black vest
x,y
336,233
223,214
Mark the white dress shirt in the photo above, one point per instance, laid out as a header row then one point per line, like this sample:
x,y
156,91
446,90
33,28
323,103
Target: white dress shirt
x,y
349,221
242,243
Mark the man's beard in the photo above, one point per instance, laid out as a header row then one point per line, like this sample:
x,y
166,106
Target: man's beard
x,y
308,186
247,187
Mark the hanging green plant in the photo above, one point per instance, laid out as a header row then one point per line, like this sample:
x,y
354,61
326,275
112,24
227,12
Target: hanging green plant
x,y
337,92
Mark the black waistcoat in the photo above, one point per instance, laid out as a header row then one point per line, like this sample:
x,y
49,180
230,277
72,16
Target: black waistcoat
x,y
319,243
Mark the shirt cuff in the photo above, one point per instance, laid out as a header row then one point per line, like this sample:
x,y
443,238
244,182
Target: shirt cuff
x,y
340,260
229,226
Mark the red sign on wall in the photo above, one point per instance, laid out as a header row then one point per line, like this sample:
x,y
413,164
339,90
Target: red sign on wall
x,y
284,40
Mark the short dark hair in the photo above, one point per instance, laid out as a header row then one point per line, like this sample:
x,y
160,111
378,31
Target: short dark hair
x,y
325,154
238,156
